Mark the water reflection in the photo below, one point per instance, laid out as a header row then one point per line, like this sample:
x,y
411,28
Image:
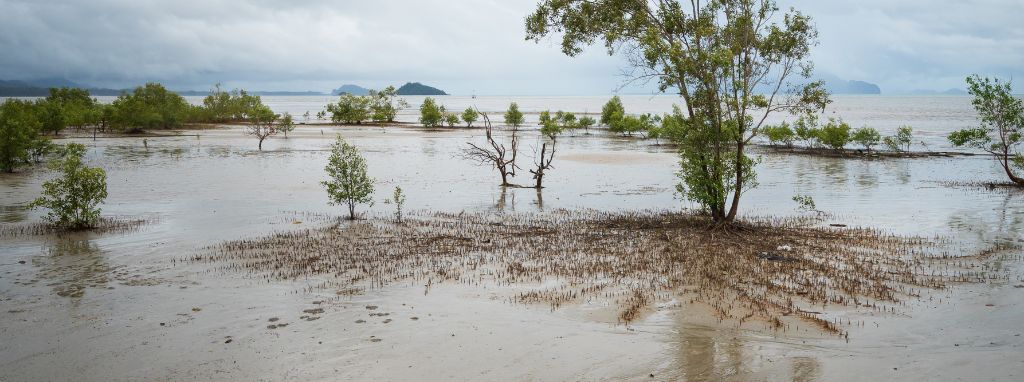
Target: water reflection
x,y
1002,224
13,214
714,354
73,265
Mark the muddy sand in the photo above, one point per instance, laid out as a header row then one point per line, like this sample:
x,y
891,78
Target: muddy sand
x,y
156,298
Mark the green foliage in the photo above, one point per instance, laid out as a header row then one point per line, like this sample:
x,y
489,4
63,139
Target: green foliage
x,y
867,137
222,106
287,124
835,134
779,134
350,109
586,122
149,107
673,126
630,124
901,141
451,119
67,107
1002,124
612,111
806,129
804,202
74,197
469,116
19,133
567,120
399,198
262,123
513,117
384,104
544,118
716,54
349,182
554,124
431,114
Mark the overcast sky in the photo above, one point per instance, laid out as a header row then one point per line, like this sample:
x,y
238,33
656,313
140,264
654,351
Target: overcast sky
x,y
461,46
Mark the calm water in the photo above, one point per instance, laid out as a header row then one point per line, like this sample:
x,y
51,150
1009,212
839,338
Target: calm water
x,y
136,319
932,117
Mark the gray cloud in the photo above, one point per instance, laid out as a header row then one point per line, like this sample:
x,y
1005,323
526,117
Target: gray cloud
x,y
461,46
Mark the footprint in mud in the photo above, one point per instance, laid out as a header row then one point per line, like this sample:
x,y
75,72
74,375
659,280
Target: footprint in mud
x,y
360,321
387,321
375,339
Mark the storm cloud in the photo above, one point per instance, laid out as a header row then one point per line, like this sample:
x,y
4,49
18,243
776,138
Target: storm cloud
x,y
461,46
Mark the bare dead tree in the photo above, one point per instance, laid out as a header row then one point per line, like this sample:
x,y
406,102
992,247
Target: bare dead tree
x,y
497,155
543,163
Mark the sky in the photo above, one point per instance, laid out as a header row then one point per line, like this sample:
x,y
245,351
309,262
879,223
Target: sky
x,y
461,46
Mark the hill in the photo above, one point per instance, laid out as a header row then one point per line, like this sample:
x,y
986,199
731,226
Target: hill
x,y
416,88
351,89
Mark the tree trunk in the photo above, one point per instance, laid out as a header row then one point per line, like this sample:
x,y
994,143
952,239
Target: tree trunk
x,y
739,185
1009,173
261,144
351,211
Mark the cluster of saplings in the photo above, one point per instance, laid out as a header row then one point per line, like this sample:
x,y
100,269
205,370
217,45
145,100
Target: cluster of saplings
x,y
378,106
433,114
834,135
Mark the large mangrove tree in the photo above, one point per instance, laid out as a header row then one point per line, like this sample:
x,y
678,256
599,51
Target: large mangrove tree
x,y
733,62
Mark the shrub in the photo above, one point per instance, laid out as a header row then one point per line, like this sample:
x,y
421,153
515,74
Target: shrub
x,y
806,129
350,109
451,119
349,182
431,115
149,107
513,117
900,142
867,137
780,134
19,133
585,123
469,116
73,198
287,124
835,134
629,124
612,111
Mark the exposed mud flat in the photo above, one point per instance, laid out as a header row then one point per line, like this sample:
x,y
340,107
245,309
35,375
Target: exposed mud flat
x,y
126,305
761,270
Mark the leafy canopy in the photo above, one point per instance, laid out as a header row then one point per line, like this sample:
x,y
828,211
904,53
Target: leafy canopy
x,y
73,198
349,182
1002,124
731,61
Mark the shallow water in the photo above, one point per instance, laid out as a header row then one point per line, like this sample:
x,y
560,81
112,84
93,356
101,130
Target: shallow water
x,y
94,303
931,117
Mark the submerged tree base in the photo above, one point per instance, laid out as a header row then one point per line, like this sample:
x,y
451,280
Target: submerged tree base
x,y
766,270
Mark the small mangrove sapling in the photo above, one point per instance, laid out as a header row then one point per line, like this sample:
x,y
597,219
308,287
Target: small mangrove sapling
x,y
399,199
73,198
349,182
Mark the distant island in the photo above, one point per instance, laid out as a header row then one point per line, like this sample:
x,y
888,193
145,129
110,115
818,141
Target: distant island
x,y
851,87
351,89
41,88
416,88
